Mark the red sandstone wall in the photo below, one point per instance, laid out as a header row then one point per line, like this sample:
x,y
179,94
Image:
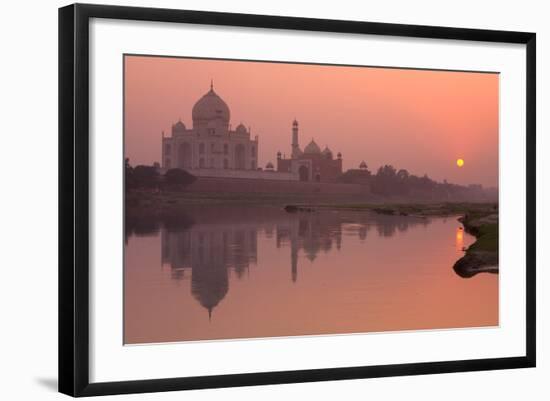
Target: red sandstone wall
x,y
204,184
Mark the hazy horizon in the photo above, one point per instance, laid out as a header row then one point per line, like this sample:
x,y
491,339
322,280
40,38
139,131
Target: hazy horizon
x,y
419,120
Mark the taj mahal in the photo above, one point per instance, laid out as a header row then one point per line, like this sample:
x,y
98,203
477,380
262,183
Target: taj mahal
x,y
211,148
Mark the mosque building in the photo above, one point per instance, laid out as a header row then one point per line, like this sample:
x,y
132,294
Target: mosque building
x,y
311,164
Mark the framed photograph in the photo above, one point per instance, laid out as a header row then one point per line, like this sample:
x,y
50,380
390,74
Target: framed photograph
x,y
250,199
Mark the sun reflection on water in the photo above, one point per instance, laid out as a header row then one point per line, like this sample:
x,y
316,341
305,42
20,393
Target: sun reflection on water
x,y
459,239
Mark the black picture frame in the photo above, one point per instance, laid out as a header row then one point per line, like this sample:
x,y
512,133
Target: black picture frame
x,y
74,198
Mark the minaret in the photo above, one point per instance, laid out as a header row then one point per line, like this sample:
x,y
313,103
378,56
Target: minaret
x,y
295,146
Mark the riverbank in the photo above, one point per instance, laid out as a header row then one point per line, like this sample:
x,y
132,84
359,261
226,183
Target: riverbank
x,y
425,209
145,202
337,199
153,202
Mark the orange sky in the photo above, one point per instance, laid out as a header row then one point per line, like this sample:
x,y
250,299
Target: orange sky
x,y
419,120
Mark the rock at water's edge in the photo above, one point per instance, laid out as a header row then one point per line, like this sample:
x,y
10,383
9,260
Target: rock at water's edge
x,y
476,262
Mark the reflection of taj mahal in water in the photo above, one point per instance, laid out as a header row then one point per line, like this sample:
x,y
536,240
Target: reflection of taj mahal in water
x,y
211,252
211,148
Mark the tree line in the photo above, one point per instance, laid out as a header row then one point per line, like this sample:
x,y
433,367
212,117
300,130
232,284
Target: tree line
x,y
389,181
149,177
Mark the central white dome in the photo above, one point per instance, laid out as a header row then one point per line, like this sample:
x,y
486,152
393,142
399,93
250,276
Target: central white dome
x,y
211,107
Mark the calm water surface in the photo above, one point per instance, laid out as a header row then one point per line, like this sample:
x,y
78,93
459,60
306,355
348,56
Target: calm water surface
x,y
220,272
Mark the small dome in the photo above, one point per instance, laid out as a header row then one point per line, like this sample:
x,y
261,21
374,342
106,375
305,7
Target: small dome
x,y
363,165
295,123
178,127
241,129
211,107
339,155
327,151
312,148
269,166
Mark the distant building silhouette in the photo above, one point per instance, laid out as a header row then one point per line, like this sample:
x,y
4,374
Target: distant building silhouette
x,y
311,164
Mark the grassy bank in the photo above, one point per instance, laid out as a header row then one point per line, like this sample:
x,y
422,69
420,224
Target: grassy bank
x,y
486,233
482,255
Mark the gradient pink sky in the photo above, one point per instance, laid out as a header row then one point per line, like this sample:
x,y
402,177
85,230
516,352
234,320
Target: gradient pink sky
x,y
414,119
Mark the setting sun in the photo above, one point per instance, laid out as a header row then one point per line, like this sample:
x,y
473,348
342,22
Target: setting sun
x,y
460,162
